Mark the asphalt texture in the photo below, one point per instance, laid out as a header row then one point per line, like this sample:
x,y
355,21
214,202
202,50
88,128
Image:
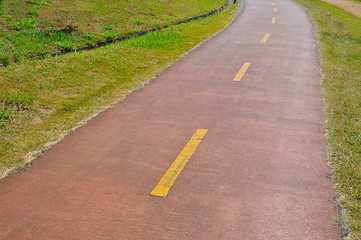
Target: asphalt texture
x,y
259,172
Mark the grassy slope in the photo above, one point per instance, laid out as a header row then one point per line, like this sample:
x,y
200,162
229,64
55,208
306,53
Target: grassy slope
x,y
48,98
339,36
34,27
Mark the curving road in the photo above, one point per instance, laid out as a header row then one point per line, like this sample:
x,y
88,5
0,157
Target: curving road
x,y
232,134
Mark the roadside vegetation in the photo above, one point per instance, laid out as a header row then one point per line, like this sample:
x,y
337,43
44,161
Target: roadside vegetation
x,y
339,35
30,28
41,100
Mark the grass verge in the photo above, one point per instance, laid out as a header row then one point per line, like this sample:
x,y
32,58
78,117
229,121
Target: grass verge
x,y
40,101
35,27
339,35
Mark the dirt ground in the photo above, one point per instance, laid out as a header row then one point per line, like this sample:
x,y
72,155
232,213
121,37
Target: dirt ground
x,y
349,6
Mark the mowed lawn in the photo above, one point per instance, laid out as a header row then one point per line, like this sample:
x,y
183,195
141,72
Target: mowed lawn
x,y
30,28
339,36
43,100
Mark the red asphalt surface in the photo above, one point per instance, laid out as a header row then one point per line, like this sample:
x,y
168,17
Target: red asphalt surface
x,y
259,173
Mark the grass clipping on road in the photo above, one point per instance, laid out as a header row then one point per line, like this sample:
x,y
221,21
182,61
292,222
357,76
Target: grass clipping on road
x,y
339,35
40,101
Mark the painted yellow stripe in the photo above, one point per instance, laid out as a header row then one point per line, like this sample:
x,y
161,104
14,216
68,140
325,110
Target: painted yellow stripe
x,y
265,38
174,170
241,72
275,9
273,20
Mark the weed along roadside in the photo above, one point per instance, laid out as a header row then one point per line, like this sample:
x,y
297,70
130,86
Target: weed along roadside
x,y
133,35
339,36
36,28
42,100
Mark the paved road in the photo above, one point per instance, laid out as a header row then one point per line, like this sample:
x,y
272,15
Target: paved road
x,y
256,169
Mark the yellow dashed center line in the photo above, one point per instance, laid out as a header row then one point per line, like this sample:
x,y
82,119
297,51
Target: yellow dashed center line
x,y
174,170
265,38
275,9
273,20
241,72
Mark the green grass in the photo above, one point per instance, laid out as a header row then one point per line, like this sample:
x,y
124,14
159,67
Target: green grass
x,y
158,40
33,11
339,35
5,117
26,23
33,20
17,99
37,2
26,44
43,99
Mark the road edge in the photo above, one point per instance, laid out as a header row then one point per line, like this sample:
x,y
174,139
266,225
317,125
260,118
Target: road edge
x,y
30,156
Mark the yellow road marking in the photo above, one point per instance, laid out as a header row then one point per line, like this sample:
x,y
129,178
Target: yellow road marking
x,y
265,38
273,20
275,9
273,3
174,170
241,72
